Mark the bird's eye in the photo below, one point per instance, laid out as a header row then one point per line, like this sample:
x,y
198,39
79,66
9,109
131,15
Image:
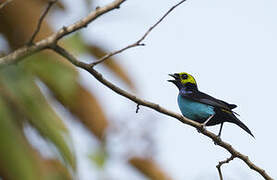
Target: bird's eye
x,y
184,76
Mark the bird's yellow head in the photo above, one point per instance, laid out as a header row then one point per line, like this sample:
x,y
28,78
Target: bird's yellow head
x,y
183,80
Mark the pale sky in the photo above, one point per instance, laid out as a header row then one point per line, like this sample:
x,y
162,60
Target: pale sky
x,y
228,46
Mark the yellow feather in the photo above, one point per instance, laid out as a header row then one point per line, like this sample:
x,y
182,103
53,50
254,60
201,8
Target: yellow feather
x,y
190,78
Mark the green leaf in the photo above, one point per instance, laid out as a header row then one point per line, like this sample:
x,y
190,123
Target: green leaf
x,y
58,75
62,80
17,160
75,44
99,157
31,102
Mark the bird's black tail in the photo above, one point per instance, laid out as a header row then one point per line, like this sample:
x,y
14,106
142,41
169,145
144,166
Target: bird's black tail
x,y
243,126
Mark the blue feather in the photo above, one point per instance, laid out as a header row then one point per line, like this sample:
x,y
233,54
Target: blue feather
x,y
194,110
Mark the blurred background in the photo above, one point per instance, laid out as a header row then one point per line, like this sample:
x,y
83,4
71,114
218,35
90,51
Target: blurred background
x,y
58,122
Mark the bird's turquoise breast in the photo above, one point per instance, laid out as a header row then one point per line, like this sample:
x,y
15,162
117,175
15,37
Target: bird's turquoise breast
x,y
194,110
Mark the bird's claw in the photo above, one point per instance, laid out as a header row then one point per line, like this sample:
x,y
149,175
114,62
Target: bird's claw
x,y
202,127
215,143
219,139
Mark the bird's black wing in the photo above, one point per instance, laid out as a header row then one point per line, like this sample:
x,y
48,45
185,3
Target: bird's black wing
x,y
201,97
231,106
224,109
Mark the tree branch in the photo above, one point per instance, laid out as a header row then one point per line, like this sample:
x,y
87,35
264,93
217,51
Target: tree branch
x,y
20,53
158,108
138,42
50,4
2,5
51,42
220,163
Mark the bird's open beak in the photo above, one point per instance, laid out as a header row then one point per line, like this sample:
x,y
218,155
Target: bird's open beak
x,y
173,80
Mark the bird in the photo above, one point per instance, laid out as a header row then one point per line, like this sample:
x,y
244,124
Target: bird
x,y
201,107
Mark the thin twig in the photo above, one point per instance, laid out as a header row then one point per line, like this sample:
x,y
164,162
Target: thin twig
x,y
50,4
220,163
25,51
5,3
160,109
51,42
107,56
138,42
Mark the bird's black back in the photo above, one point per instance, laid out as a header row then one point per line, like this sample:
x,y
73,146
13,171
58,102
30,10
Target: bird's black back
x,y
223,110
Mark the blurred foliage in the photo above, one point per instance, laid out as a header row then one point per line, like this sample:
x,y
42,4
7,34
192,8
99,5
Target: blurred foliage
x,y
99,157
22,102
149,168
27,99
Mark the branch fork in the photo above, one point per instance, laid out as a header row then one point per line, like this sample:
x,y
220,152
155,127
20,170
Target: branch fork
x,y
51,43
220,163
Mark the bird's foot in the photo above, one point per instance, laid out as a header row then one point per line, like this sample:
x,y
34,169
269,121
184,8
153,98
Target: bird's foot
x,y
218,137
198,130
202,127
215,142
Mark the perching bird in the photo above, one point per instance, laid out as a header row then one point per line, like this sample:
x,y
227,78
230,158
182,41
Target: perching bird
x,y
200,107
